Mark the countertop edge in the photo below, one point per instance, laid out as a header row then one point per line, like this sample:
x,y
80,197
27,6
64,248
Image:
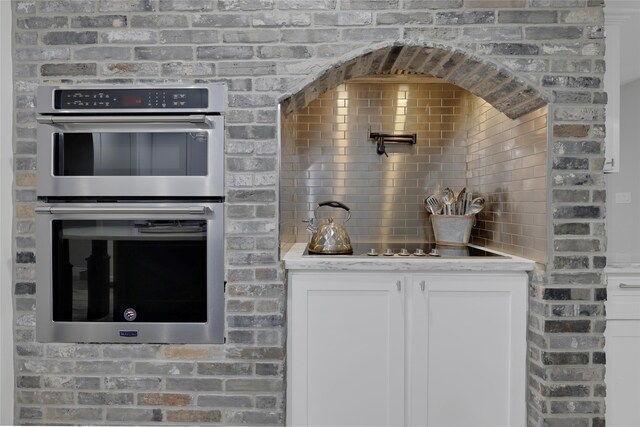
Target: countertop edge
x,y
293,259
622,268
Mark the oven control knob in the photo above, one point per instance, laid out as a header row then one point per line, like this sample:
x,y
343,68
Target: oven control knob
x,y
403,252
130,315
388,252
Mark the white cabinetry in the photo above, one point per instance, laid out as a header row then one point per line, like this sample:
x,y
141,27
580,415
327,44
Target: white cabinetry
x,y
612,87
428,349
621,22
346,349
622,337
468,350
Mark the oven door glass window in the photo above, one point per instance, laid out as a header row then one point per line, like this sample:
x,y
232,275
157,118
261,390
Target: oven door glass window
x,y
137,271
130,153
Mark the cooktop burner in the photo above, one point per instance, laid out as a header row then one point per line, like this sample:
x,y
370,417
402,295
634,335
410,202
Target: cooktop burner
x,y
414,250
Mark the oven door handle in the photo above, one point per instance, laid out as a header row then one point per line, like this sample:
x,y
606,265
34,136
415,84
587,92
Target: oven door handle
x,y
192,118
191,210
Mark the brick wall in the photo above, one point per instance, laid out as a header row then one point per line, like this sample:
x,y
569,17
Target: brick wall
x,y
516,54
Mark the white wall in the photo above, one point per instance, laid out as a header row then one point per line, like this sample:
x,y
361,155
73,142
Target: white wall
x,y
623,219
6,219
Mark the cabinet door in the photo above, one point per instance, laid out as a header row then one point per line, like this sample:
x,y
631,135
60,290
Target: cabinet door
x,y
346,349
467,350
623,297
623,373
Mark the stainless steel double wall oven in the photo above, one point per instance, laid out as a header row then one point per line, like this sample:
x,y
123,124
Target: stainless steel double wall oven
x,y
130,219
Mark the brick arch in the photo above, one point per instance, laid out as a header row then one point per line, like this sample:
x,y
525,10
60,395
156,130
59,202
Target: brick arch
x,y
489,80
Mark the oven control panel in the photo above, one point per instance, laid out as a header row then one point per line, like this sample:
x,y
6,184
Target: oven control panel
x,y
128,99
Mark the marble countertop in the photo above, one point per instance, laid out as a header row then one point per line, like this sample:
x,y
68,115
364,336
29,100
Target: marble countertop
x,y
294,259
622,267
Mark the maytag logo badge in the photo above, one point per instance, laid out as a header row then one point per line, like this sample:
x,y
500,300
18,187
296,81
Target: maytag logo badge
x,y
128,333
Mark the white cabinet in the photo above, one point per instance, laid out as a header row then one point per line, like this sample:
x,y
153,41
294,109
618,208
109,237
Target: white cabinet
x,y
346,350
428,349
468,350
621,21
622,338
612,87
623,373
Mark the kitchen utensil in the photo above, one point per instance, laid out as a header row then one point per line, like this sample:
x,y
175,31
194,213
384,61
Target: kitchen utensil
x,y
459,205
433,204
330,238
448,198
467,202
476,206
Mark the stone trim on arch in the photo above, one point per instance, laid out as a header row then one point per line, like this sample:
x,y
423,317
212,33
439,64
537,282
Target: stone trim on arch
x,y
496,84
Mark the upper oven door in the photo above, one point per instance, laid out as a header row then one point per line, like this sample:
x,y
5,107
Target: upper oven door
x,y
131,156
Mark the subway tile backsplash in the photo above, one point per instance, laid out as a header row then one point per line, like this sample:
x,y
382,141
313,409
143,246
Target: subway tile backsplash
x,y
327,155
507,163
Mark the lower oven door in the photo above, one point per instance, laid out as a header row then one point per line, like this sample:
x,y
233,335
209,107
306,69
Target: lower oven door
x,y
130,272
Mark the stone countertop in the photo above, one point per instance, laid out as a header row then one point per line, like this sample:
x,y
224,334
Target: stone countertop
x,y
622,267
294,259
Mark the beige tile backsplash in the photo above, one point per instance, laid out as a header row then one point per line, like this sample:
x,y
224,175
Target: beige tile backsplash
x,y
461,141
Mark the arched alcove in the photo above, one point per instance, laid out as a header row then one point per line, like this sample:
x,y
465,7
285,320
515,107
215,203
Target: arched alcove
x,y
477,125
489,80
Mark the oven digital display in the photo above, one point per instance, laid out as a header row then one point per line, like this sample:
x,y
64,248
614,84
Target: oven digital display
x,y
127,99
131,101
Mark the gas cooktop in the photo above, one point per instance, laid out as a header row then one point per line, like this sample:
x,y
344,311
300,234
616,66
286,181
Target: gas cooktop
x,y
414,250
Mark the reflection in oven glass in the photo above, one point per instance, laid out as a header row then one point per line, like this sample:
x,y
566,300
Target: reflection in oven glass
x,y
104,269
80,300
130,154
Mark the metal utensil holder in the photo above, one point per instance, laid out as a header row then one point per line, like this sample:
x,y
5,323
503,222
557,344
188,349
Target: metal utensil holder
x,y
452,230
